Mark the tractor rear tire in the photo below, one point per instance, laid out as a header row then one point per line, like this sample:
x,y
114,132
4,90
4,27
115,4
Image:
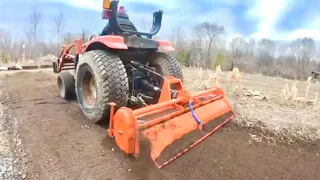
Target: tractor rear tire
x,y
167,65
101,78
66,85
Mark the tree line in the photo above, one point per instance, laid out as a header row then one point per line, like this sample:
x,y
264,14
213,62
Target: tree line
x,y
205,47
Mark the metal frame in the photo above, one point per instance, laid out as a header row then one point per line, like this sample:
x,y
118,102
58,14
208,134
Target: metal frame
x,y
66,60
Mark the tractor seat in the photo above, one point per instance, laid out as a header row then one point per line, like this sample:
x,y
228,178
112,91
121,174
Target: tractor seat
x,y
123,21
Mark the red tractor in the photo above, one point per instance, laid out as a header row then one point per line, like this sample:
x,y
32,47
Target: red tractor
x,y
122,77
121,65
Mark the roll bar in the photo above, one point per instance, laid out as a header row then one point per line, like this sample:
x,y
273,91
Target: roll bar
x,y
113,22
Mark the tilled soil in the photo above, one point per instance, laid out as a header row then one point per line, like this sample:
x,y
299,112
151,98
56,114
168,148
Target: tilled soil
x,y
60,143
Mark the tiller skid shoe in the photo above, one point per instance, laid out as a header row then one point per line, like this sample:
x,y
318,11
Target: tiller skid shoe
x,y
173,122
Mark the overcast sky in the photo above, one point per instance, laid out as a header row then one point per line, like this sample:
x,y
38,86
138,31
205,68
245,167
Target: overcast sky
x,y
275,19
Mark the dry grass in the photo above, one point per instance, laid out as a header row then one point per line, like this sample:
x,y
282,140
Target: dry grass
x,y
290,96
285,122
234,79
213,79
286,114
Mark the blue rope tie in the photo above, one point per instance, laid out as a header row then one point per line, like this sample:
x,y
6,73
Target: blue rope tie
x,y
193,114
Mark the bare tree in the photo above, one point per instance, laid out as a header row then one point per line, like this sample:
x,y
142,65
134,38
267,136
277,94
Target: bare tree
x,y
178,39
196,52
252,46
317,60
239,51
16,52
267,45
182,51
35,19
266,51
28,45
58,24
10,51
5,46
304,51
207,32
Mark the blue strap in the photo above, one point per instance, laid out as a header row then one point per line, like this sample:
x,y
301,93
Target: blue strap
x,y
193,114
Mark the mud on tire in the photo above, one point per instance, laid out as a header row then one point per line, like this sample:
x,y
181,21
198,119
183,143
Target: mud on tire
x,y
100,78
65,82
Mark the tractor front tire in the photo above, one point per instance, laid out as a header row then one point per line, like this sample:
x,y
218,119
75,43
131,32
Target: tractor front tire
x,y
101,78
166,65
66,85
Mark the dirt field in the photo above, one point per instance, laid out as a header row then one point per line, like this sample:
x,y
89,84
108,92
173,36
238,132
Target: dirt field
x,y
45,137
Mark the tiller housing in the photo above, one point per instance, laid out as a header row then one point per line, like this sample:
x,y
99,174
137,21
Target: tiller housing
x,y
169,120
